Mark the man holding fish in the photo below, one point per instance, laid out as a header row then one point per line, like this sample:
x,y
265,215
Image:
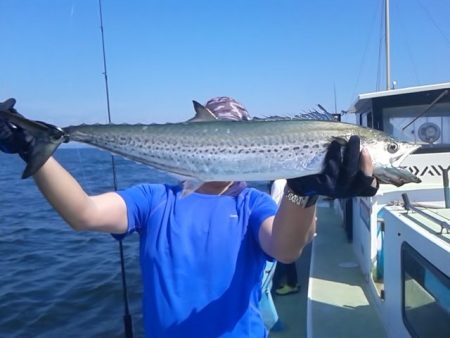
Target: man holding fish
x,y
203,245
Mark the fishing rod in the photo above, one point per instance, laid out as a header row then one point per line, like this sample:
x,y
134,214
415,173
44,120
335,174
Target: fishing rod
x,y
127,320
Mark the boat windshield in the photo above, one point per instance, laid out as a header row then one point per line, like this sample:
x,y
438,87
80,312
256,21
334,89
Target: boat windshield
x,y
431,129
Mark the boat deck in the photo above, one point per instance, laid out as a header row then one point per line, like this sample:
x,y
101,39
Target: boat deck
x,y
338,306
292,308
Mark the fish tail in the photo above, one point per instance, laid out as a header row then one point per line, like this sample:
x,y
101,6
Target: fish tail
x,y
47,138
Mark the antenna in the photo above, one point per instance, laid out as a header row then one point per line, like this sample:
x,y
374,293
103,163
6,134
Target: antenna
x,y
335,99
388,46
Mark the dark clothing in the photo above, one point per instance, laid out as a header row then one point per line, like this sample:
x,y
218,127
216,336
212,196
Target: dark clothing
x,y
285,274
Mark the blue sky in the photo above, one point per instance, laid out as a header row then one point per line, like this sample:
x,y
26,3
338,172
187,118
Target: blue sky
x,y
276,57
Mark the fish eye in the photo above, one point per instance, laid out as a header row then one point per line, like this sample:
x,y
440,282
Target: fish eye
x,y
392,147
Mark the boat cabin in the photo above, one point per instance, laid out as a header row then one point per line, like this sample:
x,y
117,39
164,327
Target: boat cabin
x,y
415,114
391,268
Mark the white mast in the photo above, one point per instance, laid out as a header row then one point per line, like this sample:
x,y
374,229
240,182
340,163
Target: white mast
x,y
388,46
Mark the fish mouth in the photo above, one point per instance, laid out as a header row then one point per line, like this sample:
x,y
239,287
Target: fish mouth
x,y
395,176
397,160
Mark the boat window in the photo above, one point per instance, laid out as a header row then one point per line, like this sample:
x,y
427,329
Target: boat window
x,y
426,296
363,120
366,119
431,129
370,120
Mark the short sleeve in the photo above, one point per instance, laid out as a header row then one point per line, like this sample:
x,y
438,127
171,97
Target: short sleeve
x,y
138,201
262,207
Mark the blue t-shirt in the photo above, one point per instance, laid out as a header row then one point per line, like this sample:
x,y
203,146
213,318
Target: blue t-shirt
x,y
201,260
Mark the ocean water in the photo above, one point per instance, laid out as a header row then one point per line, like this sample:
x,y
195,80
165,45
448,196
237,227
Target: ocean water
x,y
55,282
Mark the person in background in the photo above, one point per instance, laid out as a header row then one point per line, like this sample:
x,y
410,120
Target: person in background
x,y
285,276
202,256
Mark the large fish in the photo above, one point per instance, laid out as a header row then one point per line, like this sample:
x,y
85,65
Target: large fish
x,y
204,149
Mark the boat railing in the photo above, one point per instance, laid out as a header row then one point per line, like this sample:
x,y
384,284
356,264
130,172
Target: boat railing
x,y
444,224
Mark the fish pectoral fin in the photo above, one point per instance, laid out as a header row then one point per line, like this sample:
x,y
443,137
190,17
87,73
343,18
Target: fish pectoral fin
x,y
342,141
189,186
202,113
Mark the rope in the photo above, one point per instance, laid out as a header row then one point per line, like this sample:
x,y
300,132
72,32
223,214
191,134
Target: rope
x,y
407,44
363,58
434,22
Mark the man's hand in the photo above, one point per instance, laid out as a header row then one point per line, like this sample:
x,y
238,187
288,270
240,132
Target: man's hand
x,y
13,139
346,174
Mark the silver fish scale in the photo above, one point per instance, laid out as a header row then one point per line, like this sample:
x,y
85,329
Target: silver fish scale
x,y
221,150
225,150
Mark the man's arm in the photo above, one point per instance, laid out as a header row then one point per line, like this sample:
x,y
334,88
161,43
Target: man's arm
x,y
285,235
106,212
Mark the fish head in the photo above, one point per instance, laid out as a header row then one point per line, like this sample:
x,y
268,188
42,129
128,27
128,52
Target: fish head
x,y
389,151
387,154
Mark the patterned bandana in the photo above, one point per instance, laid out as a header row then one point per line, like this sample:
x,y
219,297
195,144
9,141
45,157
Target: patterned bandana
x,y
227,108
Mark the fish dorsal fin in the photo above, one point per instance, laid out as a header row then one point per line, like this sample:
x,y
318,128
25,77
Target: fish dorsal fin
x,y
202,113
273,118
312,114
